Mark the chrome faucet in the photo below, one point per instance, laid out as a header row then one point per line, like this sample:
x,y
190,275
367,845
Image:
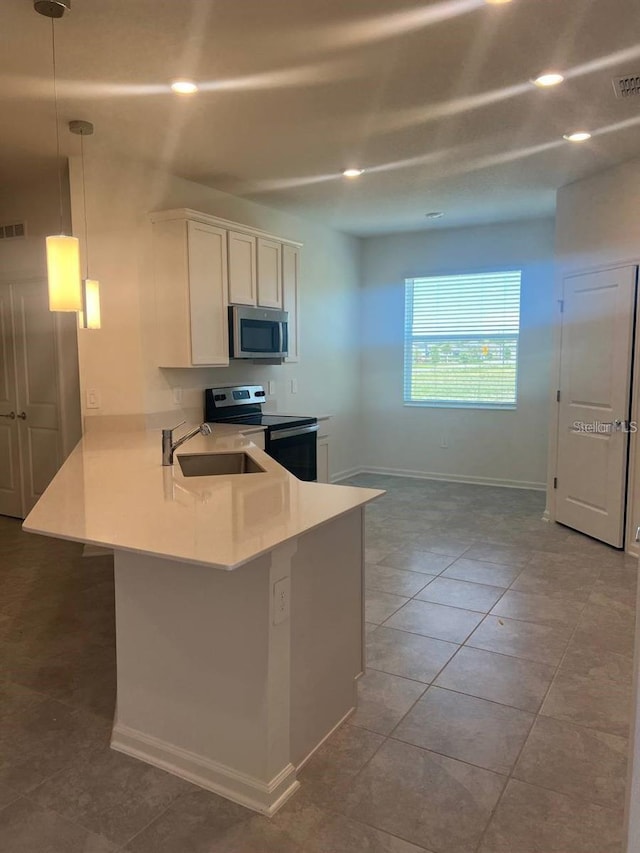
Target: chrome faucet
x,y
169,446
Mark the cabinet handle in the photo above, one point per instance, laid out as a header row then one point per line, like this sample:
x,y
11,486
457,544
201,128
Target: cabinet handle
x,y
23,416
11,415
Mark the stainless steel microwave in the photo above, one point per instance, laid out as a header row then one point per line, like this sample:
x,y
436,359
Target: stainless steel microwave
x,y
258,332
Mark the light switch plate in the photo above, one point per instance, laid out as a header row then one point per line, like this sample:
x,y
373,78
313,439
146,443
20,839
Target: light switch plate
x,y
93,399
294,386
271,387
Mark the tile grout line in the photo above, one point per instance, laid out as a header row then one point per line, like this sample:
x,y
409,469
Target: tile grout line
x,y
537,715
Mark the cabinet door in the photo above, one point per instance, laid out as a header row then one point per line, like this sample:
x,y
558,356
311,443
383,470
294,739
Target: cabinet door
x,y
242,268
269,273
208,294
290,277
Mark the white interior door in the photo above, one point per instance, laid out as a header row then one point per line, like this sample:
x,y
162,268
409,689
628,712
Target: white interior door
x,y
595,392
10,476
37,398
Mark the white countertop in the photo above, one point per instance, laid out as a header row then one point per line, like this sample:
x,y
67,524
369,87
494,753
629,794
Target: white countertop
x,y
114,492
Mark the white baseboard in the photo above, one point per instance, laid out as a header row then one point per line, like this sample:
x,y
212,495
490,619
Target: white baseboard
x,y
263,797
325,738
444,478
344,475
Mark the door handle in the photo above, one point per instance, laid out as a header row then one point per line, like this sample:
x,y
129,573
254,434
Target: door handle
x,y
23,416
11,415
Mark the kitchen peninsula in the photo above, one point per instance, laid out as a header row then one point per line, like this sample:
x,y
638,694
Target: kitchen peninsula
x,y
239,603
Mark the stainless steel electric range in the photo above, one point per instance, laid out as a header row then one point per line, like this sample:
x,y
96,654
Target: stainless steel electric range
x,y
290,440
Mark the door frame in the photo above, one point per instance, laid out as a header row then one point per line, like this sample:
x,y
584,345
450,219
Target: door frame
x,y
633,469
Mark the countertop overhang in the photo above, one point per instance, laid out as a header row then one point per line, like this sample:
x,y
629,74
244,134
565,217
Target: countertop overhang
x,y
114,492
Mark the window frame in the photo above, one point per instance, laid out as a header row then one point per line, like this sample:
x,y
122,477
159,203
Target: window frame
x,y
407,350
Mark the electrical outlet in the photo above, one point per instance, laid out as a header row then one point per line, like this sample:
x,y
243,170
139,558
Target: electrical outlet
x,y
93,399
281,600
294,386
444,444
176,393
271,387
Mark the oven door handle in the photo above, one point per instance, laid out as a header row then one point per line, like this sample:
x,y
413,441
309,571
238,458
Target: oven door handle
x,y
275,435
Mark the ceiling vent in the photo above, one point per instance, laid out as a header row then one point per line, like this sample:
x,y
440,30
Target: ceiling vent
x,y
628,86
10,232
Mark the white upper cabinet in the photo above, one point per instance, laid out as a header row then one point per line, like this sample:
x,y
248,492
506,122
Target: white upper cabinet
x,y
190,261
242,268
207,291
269,273
290,281
202,264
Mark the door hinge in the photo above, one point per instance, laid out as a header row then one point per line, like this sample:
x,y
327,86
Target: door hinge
x,y
558,396
561,303
555,482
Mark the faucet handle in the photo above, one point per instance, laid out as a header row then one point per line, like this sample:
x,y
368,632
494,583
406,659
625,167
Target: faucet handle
x,y
171,429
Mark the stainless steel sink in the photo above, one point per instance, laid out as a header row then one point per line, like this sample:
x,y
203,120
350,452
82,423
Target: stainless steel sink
x,y
209,464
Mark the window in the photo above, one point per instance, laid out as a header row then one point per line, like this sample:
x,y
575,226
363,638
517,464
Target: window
x,y
461,340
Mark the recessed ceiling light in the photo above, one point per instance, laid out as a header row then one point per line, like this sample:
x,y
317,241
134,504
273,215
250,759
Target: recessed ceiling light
x,y
352,173
496,2
549,78
434,214
184,87
578,136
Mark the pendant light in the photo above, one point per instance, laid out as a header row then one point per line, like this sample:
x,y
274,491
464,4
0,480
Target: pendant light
x,y
89,315
63,251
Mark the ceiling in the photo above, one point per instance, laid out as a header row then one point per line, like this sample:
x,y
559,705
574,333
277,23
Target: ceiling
x,y
433,99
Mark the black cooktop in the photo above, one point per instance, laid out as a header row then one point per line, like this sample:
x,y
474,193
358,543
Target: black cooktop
x,y
270,421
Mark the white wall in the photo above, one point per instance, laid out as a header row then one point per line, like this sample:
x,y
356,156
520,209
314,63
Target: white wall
x,y
597,219
508,447
37,205
118,360
598,225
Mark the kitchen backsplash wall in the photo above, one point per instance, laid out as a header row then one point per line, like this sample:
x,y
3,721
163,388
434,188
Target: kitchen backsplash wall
x,y
118,361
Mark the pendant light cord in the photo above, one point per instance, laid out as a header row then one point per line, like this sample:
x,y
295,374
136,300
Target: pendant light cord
x,y
55,100
84,206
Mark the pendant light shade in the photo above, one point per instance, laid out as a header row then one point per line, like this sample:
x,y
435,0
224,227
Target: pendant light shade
x,y
63,252
63,272
89,317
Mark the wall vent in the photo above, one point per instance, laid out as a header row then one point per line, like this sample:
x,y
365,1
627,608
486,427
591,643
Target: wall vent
x,y
14,229
626,87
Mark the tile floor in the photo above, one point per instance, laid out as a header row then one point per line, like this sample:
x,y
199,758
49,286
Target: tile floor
x,y
493,717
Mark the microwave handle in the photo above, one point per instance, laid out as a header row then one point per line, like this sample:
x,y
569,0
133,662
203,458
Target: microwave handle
x,y
284,343
281,336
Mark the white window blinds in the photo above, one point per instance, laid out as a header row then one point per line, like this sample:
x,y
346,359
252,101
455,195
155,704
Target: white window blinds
x,y
461,340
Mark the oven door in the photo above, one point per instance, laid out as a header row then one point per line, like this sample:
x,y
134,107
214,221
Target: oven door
x,y
296,450
258,333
